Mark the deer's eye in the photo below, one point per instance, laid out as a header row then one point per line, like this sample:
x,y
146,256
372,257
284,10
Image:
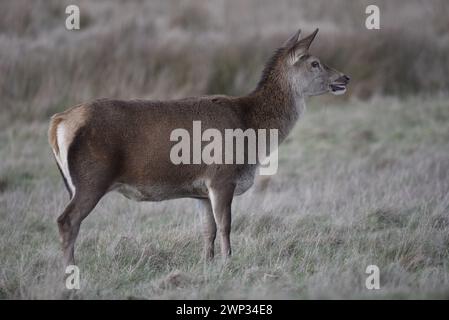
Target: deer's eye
x,y
315,64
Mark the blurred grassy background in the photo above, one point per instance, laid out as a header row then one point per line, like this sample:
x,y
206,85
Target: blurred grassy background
x,y
168,49
363,178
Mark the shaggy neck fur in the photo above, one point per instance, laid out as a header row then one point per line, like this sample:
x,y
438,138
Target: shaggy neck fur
x,y
275,103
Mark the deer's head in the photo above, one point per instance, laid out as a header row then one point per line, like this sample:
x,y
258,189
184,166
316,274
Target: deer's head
x,y
307,75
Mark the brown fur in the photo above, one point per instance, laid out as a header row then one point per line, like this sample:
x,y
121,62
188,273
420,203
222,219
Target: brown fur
x,y
125,145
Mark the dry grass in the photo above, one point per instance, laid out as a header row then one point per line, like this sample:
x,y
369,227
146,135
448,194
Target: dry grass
x,y
361,184
163,49
363,178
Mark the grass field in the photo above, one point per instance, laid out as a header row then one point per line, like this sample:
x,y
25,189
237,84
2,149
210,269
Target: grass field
x,y
359,183
363,179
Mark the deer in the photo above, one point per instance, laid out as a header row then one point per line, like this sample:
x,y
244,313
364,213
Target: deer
x,y
116,145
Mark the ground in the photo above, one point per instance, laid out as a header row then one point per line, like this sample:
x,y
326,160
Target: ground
x,y
360,183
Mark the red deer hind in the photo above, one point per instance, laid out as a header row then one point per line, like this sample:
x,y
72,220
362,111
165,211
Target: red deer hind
x,y
108,145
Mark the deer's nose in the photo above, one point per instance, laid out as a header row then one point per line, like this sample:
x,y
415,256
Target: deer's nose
x,y
344,79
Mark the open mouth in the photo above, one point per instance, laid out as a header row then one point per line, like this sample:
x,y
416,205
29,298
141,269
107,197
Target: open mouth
x,y
337,88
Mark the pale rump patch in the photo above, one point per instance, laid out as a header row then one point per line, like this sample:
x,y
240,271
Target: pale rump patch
x,y
63,128
61,157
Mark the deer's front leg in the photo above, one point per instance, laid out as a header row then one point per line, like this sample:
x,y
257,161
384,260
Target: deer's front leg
x,y
221,200
209,228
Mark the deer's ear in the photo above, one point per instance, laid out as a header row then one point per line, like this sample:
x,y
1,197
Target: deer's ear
x,y
307,41
292,40
300,48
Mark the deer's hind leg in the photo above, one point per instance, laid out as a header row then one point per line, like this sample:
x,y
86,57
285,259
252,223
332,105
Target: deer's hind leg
x,y
70,220
90,180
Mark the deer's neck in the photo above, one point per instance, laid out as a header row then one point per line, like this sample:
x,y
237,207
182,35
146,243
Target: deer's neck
x,y
274,105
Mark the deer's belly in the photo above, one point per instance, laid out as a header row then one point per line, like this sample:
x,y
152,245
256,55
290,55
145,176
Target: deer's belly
x,y
160,192
165,192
